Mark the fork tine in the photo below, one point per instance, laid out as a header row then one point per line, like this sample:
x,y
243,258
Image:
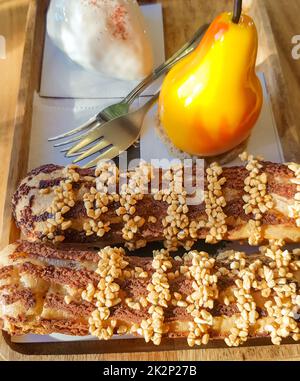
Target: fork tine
x,y
110,154
73,154
96,148
78,137
84,126
65,142
91,137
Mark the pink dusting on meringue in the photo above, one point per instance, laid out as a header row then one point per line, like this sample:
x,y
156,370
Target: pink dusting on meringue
x,y
117,22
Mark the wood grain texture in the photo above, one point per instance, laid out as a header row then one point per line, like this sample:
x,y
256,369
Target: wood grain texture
x,y
284,19
12,27
181,18
29,83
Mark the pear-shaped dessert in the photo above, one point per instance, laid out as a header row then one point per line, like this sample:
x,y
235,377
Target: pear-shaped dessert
x,y
108,36
211,100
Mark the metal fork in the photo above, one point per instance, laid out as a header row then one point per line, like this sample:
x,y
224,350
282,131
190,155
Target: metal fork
x,y
116,135
122,107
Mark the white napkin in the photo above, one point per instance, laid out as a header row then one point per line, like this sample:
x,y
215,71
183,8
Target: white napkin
x,y
62,78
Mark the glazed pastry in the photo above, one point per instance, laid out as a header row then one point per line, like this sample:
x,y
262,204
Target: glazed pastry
x,y
207,114
255,203
107,36
234,297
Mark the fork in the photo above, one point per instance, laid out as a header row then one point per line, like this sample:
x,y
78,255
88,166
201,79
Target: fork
x,y
122,107
116,135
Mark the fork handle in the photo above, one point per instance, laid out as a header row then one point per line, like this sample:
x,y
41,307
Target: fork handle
x,y
166,66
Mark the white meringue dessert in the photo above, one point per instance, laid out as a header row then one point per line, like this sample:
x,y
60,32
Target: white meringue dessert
x,y
107,36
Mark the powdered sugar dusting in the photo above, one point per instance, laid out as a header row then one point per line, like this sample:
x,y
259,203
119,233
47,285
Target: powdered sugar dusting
x,y
117,17
117,22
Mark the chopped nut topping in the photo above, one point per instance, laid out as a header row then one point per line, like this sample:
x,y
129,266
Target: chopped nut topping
x,y
273,278
176,223
194,228
244,300
152,220
63,201
107,176
257,201
284,306
282,302
214,204
97,200
110,267
44,191
140,273
159,295
91,227
205,292
131,304
68,299
130,194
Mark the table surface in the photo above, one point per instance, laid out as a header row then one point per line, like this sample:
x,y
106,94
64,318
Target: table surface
x,y
284,16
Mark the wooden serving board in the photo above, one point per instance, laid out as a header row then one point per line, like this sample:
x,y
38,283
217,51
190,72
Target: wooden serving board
x,y
181,19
